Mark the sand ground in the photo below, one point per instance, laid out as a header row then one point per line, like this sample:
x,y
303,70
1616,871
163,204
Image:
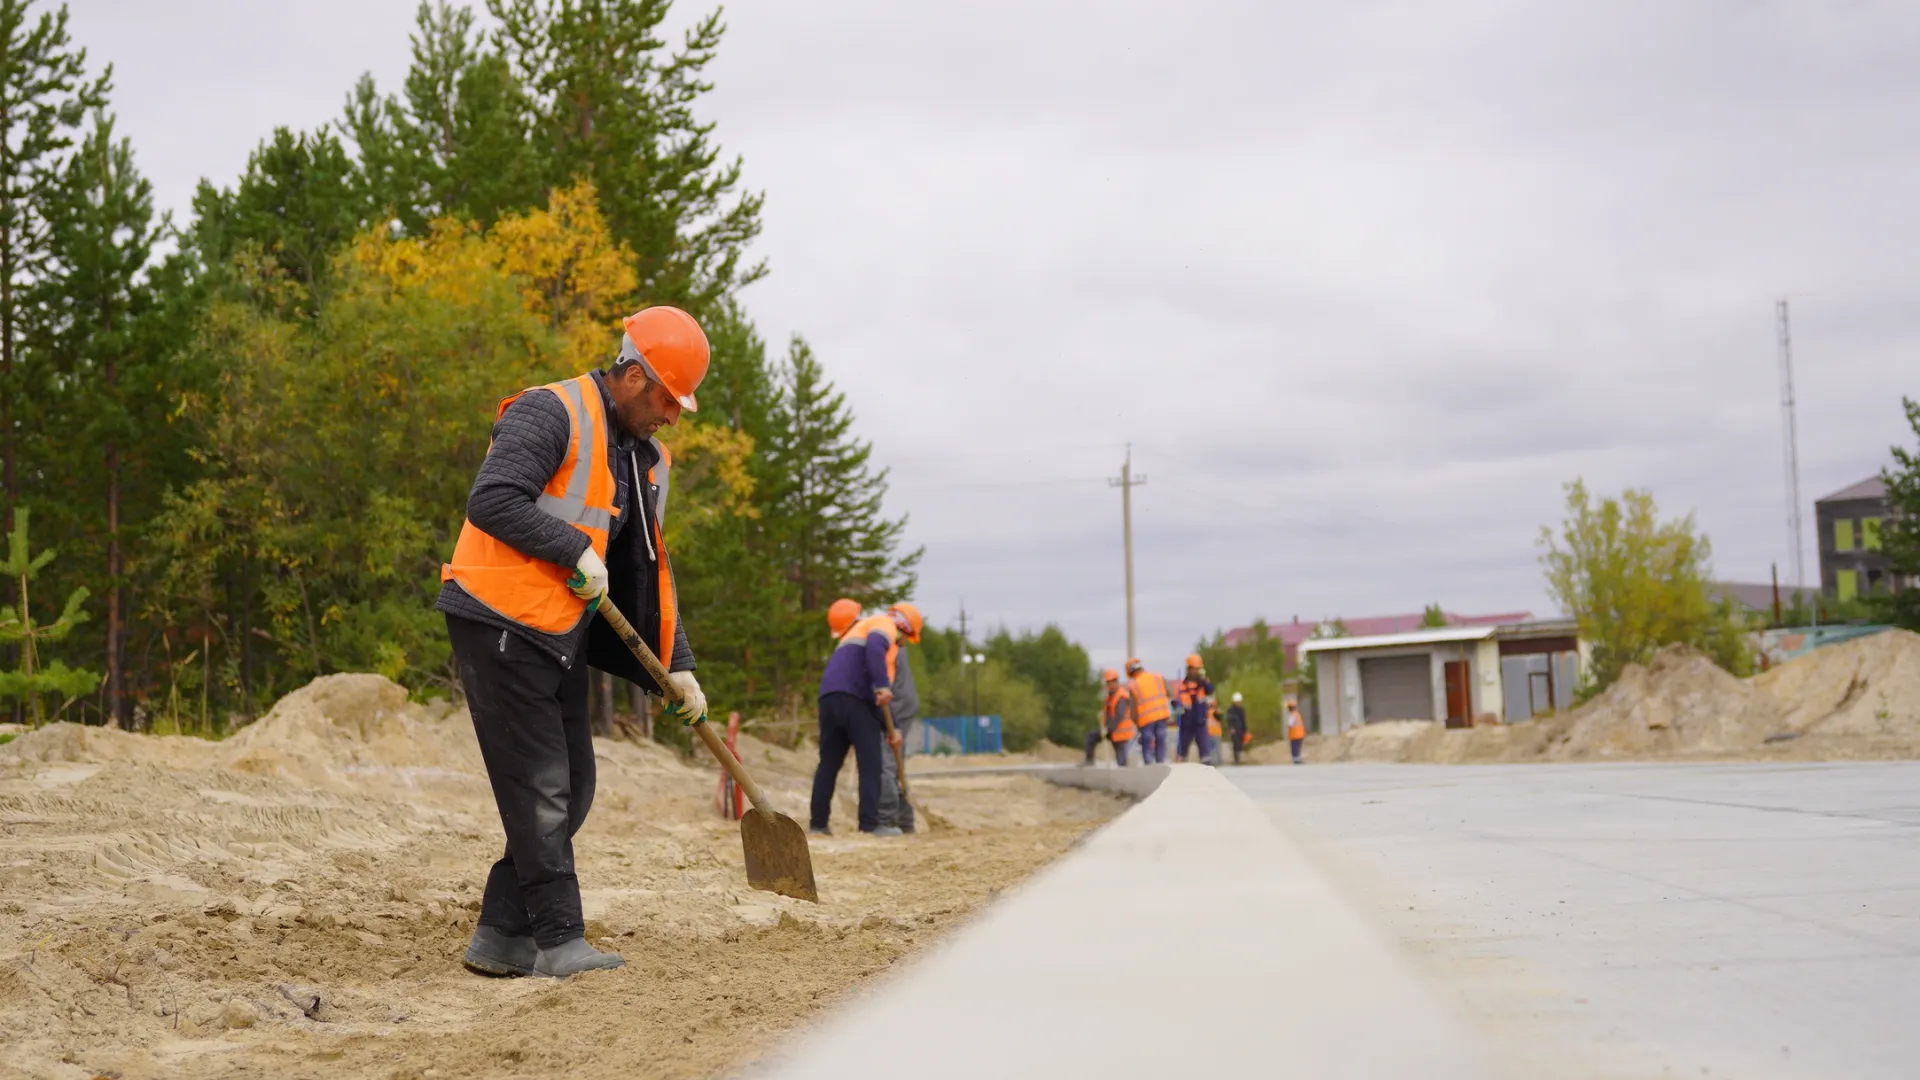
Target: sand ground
x,y
293,902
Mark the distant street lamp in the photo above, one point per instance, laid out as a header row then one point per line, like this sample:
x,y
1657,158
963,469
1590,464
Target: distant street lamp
x,y
975,660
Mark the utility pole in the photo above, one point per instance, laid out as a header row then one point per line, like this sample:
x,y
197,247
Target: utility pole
x,y
963,625
1126,484
1790,433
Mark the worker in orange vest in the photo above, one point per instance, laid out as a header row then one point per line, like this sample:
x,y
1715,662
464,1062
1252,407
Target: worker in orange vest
x,y
1296,730
1197,722
564,512
1152,709
857,684
1117,724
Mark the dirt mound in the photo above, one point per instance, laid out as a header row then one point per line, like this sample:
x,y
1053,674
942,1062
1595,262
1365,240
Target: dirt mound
x,y
70,743
1869,686
340,726
1678,704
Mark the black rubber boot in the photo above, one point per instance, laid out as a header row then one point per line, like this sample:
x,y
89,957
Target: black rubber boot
x,y
572,958
494,953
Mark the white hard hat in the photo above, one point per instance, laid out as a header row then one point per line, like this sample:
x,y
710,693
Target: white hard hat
x,y
1236,695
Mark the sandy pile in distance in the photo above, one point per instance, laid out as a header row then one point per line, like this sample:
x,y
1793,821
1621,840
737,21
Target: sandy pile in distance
x,y
1853,701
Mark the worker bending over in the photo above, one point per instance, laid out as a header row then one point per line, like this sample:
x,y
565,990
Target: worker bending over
x,y
1152,709
1237,726
1116,718
896,813
1197,725
856,685
565,510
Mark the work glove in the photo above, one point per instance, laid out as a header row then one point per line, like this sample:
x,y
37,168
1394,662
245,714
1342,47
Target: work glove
x,y
692,706
589,580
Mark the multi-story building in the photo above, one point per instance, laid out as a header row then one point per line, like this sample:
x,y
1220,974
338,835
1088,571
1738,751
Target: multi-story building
x,y
1851,563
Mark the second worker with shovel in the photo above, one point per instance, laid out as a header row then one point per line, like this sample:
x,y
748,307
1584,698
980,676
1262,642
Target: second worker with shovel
x,y
566,506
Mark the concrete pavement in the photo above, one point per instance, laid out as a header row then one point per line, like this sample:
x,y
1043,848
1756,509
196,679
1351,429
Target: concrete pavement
x,y
1186,938
1745,920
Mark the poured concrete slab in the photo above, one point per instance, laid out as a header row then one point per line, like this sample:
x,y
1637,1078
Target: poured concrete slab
x,y
1187,938
1747,920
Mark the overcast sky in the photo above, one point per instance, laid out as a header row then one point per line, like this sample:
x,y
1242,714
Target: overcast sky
x,y
1363,283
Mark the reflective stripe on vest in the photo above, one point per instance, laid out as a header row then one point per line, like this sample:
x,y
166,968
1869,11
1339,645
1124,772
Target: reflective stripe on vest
x,y
1125,729
669,598
1150,698
570,504
856,638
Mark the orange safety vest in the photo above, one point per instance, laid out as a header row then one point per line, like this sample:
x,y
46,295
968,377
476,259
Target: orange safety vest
x,y
1298,728
1192,697
1125,730
1150,698
533,592
856,638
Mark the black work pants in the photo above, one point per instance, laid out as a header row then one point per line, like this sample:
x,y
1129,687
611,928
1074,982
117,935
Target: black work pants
x,y
1239,738
530,715
848,722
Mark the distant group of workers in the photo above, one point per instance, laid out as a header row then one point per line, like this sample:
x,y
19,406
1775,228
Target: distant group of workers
x,y
1139,707
867,702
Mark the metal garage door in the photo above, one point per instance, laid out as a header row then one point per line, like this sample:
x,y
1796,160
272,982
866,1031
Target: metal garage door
x,y
1396,688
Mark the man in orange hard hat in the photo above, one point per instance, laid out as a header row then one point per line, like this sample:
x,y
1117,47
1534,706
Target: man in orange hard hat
x,y
1296,730
566,509
1197,725
858,682
1116,718
1152,710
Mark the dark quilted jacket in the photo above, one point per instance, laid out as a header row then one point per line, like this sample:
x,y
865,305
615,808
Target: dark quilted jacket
x,y
529,443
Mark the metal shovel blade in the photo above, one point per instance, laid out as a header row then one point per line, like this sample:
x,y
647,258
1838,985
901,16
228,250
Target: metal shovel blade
x,y
777,857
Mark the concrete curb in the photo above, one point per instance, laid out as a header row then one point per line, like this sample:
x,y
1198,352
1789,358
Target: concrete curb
x,y
1188,935
1135,783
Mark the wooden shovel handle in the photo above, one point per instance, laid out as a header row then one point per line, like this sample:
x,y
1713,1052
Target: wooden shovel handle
x,y
899,755
700,726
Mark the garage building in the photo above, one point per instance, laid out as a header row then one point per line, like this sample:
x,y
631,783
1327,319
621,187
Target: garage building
x,y
1450,673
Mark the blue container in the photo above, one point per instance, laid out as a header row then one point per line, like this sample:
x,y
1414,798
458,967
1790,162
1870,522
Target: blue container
x,y
954,735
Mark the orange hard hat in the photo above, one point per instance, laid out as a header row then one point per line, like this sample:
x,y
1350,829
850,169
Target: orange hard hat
x,y
1109,675
1193,660
842,615
671,347
1134,664
914,622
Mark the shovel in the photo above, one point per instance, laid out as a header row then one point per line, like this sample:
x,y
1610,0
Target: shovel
x,y
776,846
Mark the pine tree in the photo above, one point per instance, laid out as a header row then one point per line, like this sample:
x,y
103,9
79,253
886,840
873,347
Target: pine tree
x,y
44,95
297,204
34,677
610,104
827,499
458,144
102,231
